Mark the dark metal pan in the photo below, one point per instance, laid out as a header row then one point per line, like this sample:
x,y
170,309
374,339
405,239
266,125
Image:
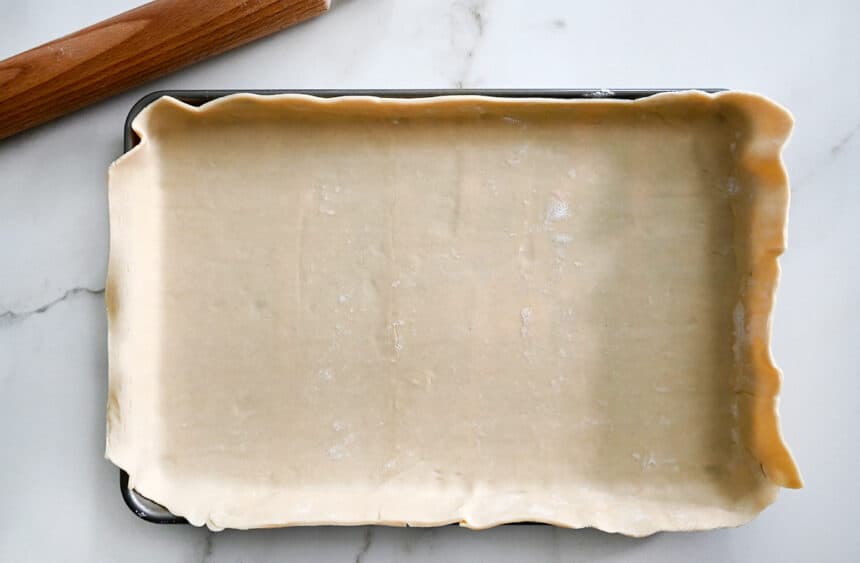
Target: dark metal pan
x,y
154,512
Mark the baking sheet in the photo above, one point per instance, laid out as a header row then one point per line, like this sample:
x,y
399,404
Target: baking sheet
x,y
155,513
670,119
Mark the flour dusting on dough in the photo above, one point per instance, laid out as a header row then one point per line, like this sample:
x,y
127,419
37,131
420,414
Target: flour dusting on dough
x,y
525,317
740,332
340,449
395,328
647,461
732,185
518,155
557,210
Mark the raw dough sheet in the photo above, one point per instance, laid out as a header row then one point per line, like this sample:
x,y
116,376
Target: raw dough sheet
x,y
457,309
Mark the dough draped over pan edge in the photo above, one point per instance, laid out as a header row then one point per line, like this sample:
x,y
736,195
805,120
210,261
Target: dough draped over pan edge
x,y
758,195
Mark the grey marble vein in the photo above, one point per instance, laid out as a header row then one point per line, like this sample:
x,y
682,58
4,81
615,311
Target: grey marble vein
x,y
8,317
208,546
468,22
476,11
365,546
835,150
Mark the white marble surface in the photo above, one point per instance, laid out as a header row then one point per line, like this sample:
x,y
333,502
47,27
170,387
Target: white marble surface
x,y
61,498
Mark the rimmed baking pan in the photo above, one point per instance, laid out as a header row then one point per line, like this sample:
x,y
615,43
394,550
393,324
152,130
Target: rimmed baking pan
x,y
154,512
728,167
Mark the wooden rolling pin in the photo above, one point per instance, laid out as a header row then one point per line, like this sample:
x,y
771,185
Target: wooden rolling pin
x,y
131,48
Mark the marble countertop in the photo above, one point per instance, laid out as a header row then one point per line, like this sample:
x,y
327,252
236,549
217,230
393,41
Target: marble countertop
x,y
61,498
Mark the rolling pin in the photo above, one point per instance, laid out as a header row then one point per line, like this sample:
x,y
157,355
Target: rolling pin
x,y
131,48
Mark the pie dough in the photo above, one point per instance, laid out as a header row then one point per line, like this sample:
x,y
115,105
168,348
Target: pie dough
x,y
456,309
